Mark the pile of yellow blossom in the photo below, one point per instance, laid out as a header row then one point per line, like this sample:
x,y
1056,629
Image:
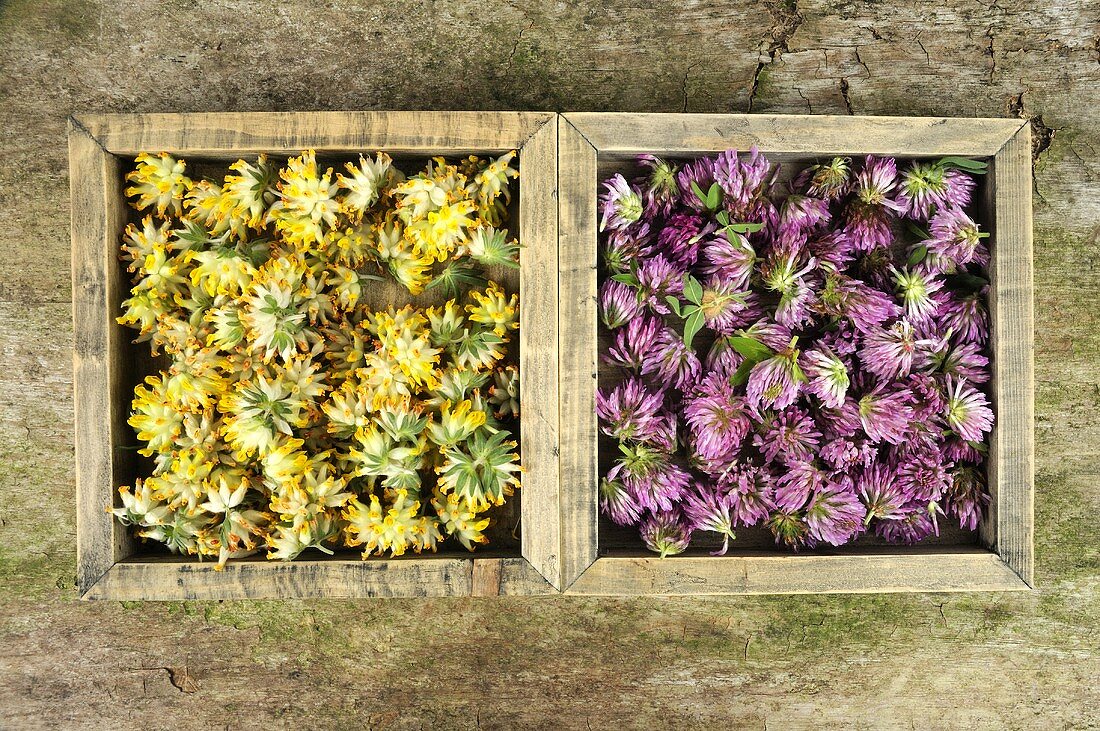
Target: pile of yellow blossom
x,y
291,415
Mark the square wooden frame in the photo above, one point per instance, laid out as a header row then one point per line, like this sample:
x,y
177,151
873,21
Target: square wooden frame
x,y
98,144
1005,560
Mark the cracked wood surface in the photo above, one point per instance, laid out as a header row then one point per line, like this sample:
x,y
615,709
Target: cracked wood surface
x,y
926,661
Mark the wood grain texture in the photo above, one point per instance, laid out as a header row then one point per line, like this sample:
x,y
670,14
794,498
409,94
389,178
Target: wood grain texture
x,y
617,133
1012,447
97,221
538,335
245,133
183,580
976,570
577,348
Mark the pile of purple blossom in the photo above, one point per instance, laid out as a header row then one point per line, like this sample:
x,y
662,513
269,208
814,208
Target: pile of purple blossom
x,y
807,356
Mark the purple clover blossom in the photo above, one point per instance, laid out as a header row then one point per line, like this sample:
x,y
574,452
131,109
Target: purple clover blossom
x,y
844,453
730,257
722,360
789,436
725,307
716,417
867,227
744,180
922,477
827,376
619,304
844,340
960,188
853,300
967,316
916,287
966,498
655,481
955,236
843,421
876,181
775,336
752,490
619,503
708,508
885,414
881,493
659,278
803,213
680,238
624,247
961,451
928,402
829,181
672,360
701,173
794,488
913,525
660,188
665,434
921,189
776,382
968,413
784,276
835,515
621,204
894,352
666,534
790,529
634,343
832,249
965,361
629,411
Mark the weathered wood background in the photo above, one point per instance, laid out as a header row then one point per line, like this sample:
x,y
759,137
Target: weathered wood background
x,y
922,661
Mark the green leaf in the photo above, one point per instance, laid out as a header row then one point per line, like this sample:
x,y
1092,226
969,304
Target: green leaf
x,y
919,232
750,348
692,325
976,167
674,304
741,376
698,192
723,217
745,228
918,255
627,279
714,196
796,371
692,289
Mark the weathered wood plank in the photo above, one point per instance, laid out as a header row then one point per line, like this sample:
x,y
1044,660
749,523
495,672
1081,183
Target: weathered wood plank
x,y
538,333
911,571
577,348
1012,446
221,134
618,133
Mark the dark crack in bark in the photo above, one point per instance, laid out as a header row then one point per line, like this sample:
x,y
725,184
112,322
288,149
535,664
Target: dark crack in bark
x,y
786,19
844,89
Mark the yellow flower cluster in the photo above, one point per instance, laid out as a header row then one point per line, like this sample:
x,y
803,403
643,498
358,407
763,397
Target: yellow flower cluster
x,y
293,415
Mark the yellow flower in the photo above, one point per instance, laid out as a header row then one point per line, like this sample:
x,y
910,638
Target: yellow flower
x,y
140,243
307,205
158,180
455,424
155,416
459,521
364,183
494,308
396,529
221,271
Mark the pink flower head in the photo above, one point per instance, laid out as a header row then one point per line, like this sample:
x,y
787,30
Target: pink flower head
x,y
789,436
835,515
881,493
843,421
630,410
827,376
922,476
619,503
794,487
716,417
867,226
784,274
659,185
921,189
831,248
968,413
672,360
960,188
966,498
744,180
775,336
701,173
955,236
916,287
621,204
844,453
830,180
894,352
967,316
914,524
679,239
929,402
655,481
964,361
730,256
864,307
722,360
752,491
659,278
725,307
666,534
803,213
885,414
708,508
627,246
619,304
776,382
876,180
789,529
634,343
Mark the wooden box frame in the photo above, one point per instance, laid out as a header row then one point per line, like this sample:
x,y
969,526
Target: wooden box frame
x,y
98,147
1004,561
